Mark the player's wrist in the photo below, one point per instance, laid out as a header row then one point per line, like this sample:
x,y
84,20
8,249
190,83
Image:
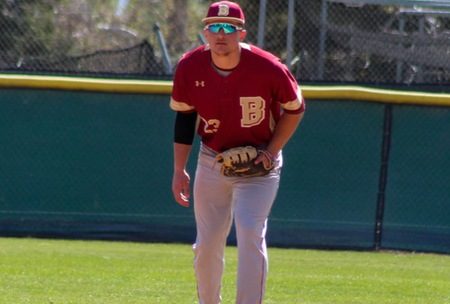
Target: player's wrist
x,y
177,170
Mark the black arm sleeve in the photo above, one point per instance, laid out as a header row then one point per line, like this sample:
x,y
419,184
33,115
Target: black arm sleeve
x,y
185,127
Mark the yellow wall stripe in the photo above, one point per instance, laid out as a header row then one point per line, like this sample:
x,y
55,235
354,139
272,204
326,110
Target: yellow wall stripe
x,y
376,95
86,84
165,87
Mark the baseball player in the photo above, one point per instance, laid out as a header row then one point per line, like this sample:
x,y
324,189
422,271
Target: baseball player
x,y
245,105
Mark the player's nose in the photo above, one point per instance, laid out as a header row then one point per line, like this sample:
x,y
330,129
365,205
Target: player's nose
x,y
221,33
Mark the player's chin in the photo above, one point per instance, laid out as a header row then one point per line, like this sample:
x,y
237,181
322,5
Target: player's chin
x,y
221,49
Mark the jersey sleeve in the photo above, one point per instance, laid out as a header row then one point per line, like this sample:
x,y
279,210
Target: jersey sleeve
x,y
179,100
288,92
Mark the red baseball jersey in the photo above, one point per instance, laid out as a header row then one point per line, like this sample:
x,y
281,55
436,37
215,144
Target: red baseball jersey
x,y
241,108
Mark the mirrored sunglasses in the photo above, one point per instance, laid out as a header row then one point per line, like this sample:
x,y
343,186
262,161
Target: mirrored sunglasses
x,y
226,27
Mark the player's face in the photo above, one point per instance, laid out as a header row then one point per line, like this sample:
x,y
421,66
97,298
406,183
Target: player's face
x,y
224,38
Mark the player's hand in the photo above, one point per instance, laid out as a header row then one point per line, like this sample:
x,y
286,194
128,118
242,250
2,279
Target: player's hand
x,y
266,158
181,188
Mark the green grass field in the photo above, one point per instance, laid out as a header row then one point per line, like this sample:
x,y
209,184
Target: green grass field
x,y
56,271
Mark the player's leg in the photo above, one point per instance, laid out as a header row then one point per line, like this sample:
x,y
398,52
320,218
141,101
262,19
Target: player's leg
x,y
254,199
213,215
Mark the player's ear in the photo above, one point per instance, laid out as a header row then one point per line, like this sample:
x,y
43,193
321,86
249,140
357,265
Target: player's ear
x,y
242,35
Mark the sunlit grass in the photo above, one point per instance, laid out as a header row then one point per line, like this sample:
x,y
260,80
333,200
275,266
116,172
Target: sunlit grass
x,y
57,271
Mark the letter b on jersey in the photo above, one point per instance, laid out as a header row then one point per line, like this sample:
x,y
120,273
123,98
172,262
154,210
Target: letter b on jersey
x,y
253,111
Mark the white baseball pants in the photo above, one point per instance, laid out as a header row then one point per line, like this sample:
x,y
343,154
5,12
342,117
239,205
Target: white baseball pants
x,y
217,201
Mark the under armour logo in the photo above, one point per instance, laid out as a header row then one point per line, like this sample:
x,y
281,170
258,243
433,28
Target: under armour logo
x,y
199,83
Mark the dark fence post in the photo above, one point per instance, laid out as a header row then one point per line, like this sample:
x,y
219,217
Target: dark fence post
x,y
386,146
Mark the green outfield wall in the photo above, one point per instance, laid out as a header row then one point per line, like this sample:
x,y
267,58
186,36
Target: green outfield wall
x,y
79,161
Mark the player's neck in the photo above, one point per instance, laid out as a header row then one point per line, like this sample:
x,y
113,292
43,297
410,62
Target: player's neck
x,y
226,62
222,72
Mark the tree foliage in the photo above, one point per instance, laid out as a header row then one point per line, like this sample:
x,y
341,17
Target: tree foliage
x,y
63,27
26,26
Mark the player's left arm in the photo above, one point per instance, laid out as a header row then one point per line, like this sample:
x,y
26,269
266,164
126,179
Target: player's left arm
x,y
289,94
285,128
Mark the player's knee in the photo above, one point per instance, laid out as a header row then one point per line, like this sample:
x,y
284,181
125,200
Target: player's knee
x,y
248,234
253,227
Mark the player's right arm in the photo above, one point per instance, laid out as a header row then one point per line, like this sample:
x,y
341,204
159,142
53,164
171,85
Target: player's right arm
x,y
185,122
182,146
181,179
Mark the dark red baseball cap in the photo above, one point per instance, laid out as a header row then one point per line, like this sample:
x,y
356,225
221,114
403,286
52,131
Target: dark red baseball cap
x,y
225,11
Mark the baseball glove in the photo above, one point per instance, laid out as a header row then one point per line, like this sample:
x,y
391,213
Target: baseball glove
x,y
239,161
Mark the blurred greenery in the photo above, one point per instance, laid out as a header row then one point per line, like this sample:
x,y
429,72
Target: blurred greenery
x,y
56,29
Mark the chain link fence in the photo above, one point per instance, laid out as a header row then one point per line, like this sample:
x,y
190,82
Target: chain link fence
x,y
337,41
75,164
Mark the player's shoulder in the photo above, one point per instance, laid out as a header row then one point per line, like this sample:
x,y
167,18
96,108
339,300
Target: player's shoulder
x,y
194,55
266,62
258,54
